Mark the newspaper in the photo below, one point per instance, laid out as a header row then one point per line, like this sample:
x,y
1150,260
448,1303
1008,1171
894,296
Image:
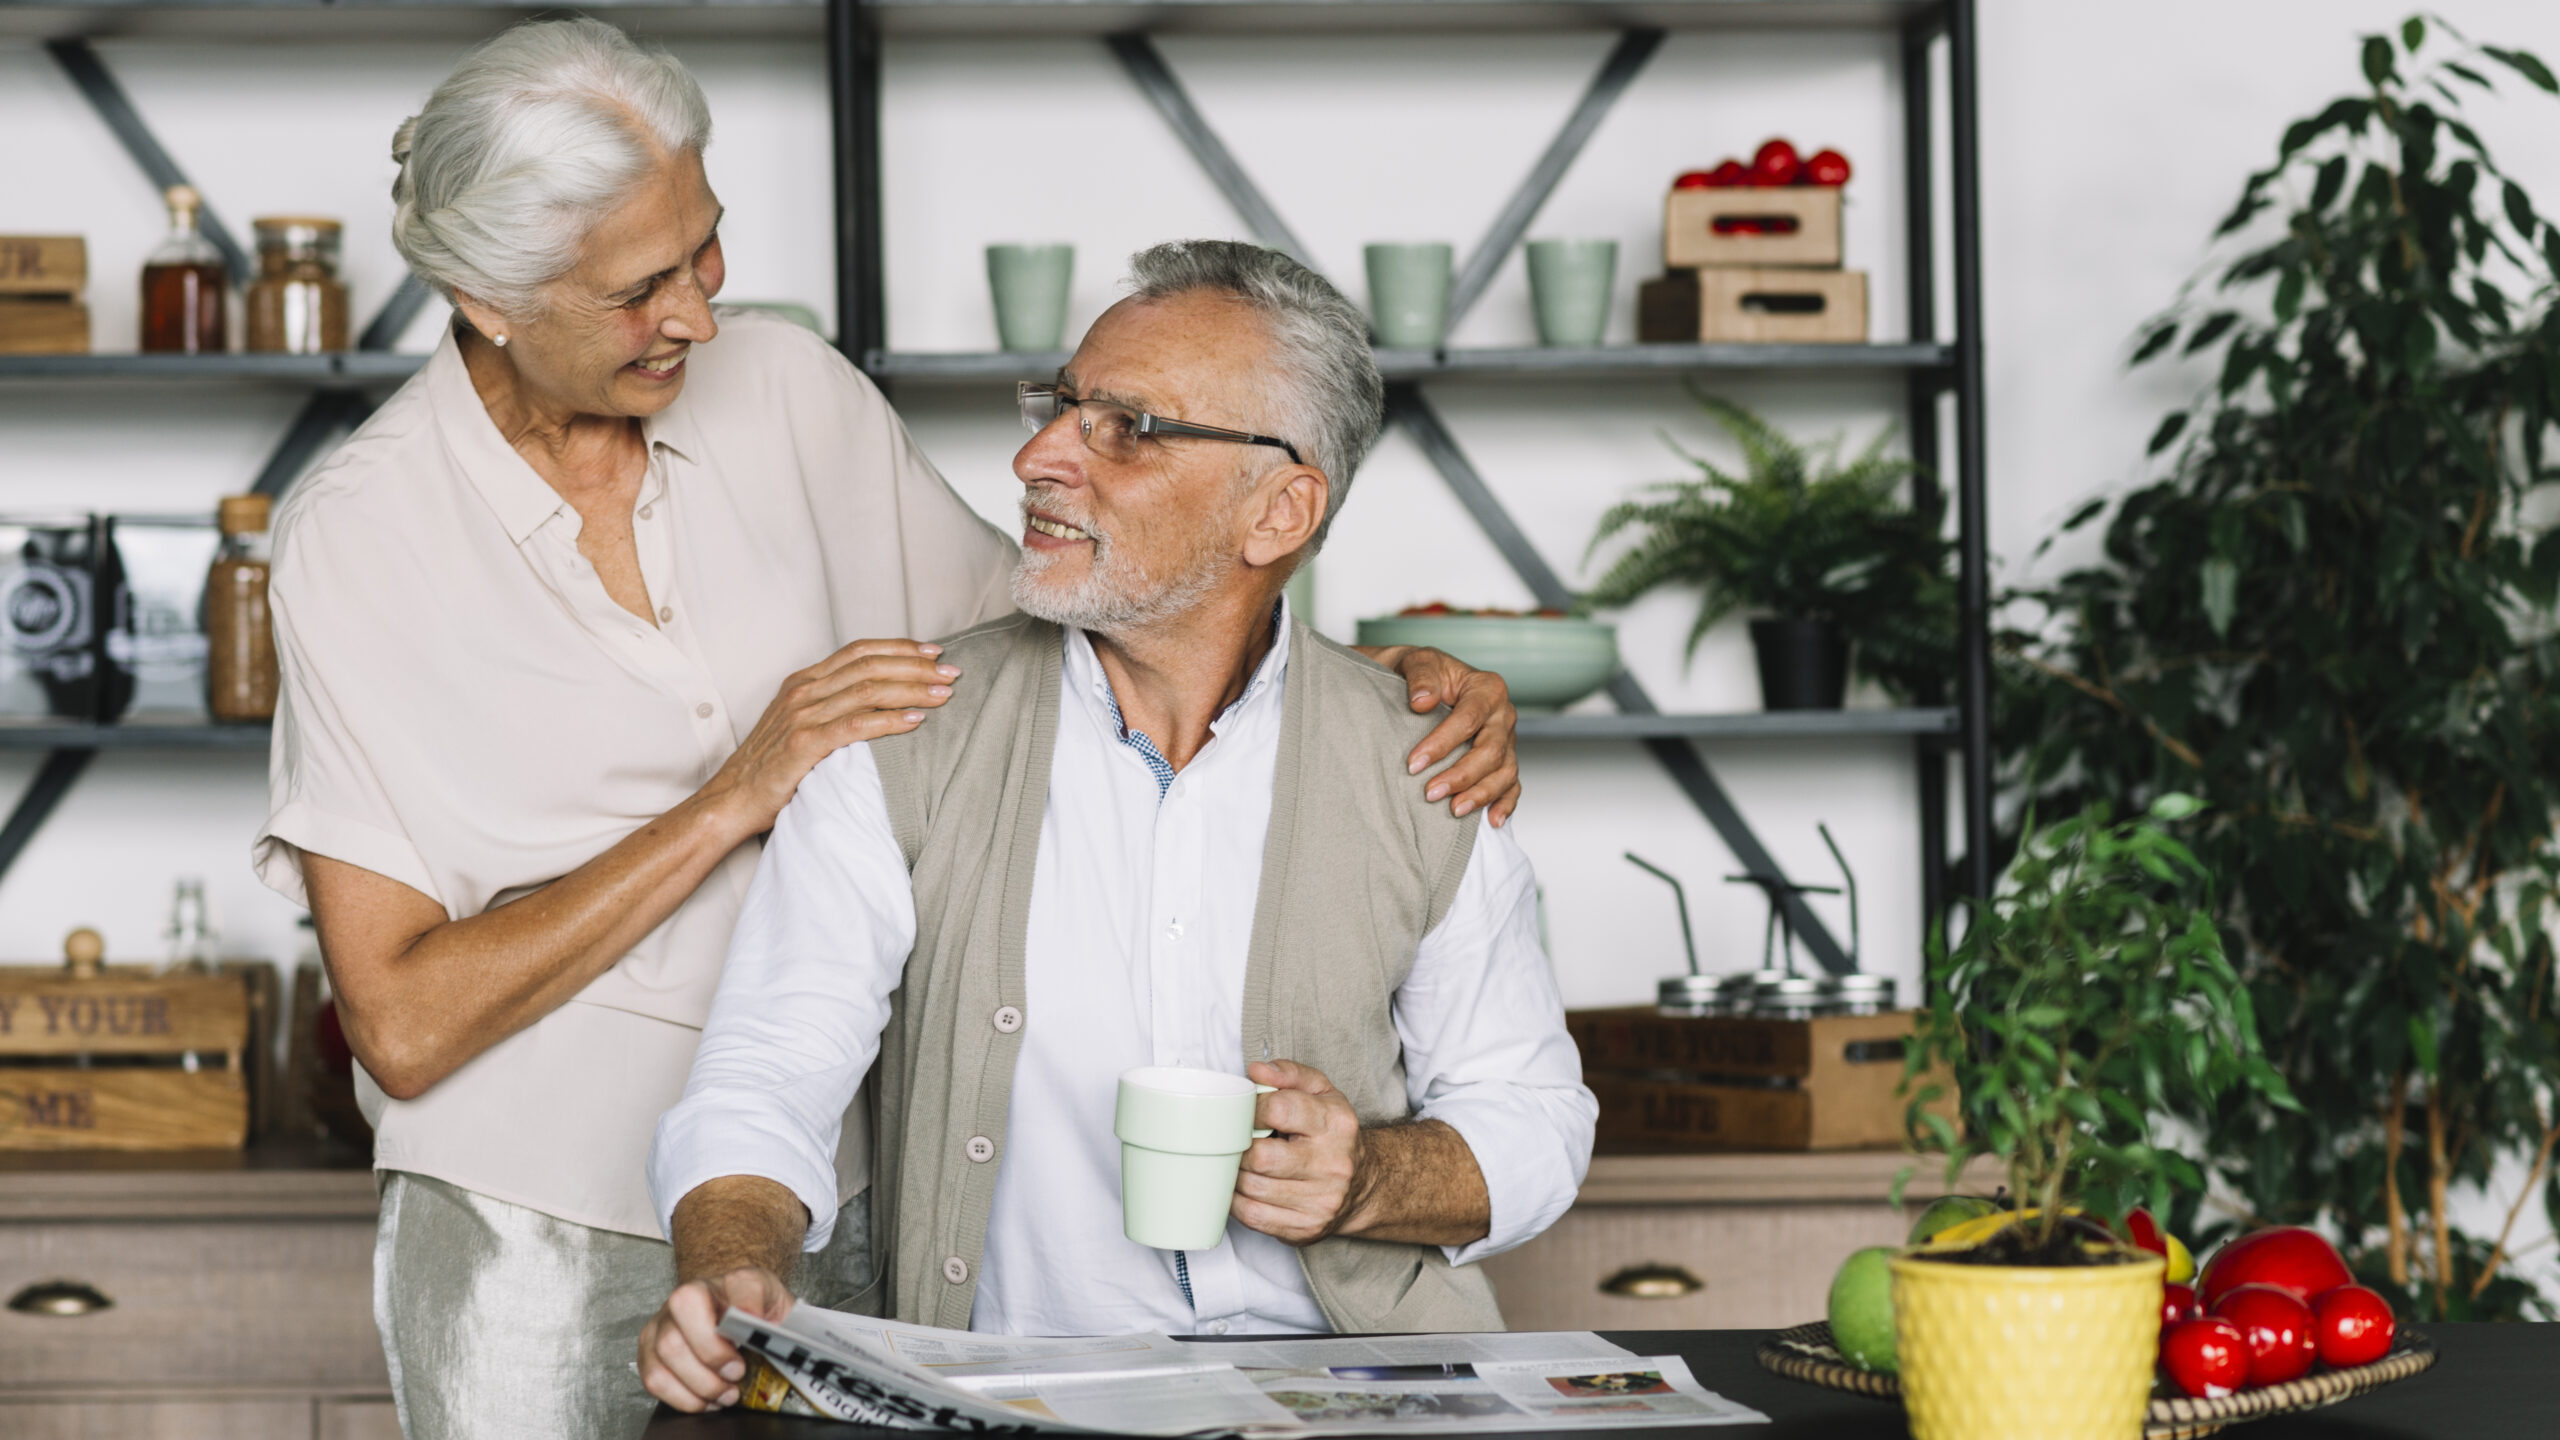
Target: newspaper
x,y
912,1377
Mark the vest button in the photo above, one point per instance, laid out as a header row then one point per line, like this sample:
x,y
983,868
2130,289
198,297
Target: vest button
x,y
956,1270
1008,1019
981,1149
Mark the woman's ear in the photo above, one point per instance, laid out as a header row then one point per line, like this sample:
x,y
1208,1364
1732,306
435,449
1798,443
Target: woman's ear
x,y
490,324
1292,510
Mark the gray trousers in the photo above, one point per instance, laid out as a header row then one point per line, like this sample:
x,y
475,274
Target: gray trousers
x,y
502,1323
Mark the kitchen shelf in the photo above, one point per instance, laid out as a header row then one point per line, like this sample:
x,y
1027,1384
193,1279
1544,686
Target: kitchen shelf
x,y
1428,364
1748,725
337,370
135,735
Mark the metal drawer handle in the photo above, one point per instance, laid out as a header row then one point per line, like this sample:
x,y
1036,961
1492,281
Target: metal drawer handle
x,y
1652,1282
60,1297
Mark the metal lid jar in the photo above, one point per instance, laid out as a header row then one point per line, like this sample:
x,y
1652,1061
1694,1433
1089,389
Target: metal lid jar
x,y
297,305
1788,997
1858,994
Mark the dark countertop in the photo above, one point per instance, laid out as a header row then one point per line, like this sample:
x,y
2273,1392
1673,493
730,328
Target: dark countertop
x,y
2491,1381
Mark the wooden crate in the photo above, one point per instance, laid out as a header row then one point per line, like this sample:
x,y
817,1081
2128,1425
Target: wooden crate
x,y
100,1063
1751,225
1761,305
43,325
1672,1084
43,265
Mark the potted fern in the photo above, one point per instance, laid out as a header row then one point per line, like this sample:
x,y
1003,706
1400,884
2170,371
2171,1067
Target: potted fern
x,y
2090,996
1825,555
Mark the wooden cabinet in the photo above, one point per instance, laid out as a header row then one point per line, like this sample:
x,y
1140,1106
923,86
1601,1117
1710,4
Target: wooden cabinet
x,y
1759,1235
237,1299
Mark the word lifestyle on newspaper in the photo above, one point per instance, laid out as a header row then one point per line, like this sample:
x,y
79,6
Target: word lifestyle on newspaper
x,y
911,1377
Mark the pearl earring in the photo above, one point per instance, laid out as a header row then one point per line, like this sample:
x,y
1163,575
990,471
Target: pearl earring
x,y
498,340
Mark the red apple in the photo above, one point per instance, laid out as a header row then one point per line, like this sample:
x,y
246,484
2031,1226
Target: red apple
x,y
2177,1302
2278,1325
2352,1325
2207,1358
2285,1256
1729,175
1827,167
1694,180
1776,163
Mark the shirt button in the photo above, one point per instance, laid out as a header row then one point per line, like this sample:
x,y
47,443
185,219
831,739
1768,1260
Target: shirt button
x,y
703,709
981,1149
1008,1020
956,1270
666,613
645,509
1217,1327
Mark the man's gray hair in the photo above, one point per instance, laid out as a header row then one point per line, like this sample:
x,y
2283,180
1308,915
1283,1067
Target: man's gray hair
x,y
1327,399
533,138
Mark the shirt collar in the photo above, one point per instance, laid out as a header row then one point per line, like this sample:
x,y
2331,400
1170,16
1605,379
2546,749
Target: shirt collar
x,y
522,500
1085,675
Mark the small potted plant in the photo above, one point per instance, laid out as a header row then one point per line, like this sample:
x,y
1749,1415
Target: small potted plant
x,y
1825,555
2089,996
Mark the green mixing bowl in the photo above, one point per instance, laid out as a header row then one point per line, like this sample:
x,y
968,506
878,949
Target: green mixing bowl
x,y
1549,663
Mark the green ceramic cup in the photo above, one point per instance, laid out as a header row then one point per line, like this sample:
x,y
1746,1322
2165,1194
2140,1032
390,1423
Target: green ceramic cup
x,y
1183,1134
1569,287
1030,285
1409,293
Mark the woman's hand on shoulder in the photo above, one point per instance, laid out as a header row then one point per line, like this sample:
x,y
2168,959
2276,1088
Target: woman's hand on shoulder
x,y
1481,718
864,691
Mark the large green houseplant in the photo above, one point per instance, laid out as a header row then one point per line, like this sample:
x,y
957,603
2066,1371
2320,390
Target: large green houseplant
x,y
2332,618
1825,554
2087,998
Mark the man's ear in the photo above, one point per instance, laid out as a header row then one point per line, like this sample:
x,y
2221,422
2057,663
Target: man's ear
x,y
1289,510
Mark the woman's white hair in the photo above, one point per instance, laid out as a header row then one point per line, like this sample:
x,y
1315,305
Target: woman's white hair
x,y
531,140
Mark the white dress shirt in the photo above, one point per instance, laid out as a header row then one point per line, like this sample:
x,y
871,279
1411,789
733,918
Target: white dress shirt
x,y
466,711
1142,912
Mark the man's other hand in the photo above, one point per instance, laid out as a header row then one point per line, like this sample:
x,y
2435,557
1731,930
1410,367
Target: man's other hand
x,y
1300,1183
684,1359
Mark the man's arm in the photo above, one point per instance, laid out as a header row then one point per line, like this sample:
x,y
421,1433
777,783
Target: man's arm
x,y
1503,1125
743,1171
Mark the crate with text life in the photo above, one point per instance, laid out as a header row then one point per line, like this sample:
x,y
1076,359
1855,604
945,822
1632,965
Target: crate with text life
x,y
1672,1084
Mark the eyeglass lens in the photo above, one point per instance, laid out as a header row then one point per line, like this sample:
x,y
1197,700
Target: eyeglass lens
x,y
1109,429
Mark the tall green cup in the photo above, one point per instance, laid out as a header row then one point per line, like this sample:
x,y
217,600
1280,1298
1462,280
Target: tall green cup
x,y
1569,287
1183,1134
1030,285
1409,293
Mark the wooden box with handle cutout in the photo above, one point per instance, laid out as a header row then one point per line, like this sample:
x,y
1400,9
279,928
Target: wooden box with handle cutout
x,y
120,1057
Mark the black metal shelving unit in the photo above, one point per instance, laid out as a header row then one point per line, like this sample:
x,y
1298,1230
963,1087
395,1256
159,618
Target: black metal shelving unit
x,y
1932,365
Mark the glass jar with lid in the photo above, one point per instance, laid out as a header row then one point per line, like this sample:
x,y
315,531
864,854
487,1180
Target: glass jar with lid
x,y
297,305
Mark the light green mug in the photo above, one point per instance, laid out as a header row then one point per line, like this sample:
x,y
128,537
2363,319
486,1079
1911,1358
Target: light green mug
x,y
1409,293
1569,284
1183,1134
1030,285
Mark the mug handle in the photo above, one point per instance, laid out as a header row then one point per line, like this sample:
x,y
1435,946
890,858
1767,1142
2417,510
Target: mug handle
x,y
1259,1091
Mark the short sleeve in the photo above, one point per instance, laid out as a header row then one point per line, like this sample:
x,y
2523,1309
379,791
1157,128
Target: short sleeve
x,y
323,794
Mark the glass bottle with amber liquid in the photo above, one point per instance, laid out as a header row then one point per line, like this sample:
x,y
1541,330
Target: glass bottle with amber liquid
x,y
240,636
186,289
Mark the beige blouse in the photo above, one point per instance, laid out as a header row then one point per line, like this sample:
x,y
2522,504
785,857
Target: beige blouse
x,y
466,711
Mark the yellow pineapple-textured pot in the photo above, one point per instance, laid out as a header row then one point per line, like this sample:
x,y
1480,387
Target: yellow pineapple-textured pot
x,y
2014,1352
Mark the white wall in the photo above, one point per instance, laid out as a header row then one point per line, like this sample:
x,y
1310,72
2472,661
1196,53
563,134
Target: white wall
x,y
2114,137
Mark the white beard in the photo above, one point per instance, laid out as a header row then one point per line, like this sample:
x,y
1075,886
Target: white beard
x,y
1117,595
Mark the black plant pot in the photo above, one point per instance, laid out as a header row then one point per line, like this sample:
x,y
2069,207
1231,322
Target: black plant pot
x,y
1804,664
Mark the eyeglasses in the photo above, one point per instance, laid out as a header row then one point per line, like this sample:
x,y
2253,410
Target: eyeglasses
x,y
1113,430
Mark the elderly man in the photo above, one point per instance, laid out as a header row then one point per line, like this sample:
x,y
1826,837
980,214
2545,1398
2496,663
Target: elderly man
x,y
1160,823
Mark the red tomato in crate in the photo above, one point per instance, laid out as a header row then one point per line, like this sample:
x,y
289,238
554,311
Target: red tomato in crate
x,y
1776,163
2177,1302
1694,180
2285,1256
2351,1326
1826,167
2278,1325
2208,1358
1732,174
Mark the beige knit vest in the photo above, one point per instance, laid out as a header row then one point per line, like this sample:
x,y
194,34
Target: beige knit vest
x,y
1356,869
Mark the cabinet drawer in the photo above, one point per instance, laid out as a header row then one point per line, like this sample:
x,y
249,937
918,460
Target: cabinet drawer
x,y
203,1303
1762,1266
259,1419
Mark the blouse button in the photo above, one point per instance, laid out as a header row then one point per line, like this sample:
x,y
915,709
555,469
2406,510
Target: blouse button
x,y
956,1270
1008,1019
644,511
703,709
981,1149
666,613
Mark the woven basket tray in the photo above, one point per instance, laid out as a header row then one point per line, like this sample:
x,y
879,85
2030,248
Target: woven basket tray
x,y
1806,1353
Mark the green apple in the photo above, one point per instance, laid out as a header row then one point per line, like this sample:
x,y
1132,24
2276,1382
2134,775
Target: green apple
x,y
1862,1309
1946,1212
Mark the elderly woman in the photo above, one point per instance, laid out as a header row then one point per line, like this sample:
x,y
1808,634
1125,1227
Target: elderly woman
x,y
563,627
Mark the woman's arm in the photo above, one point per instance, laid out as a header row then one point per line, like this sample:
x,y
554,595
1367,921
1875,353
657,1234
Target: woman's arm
x,y
1481,718
421,994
